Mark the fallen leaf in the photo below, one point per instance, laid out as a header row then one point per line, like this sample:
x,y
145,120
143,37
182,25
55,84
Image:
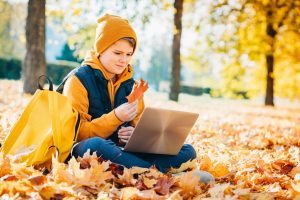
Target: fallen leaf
x,y
149,183
220,170
296,186
283,166
206,164
5,165
163,185
127,179
217,191
38,180
87,159
294,171
9,177
128,193
189,165
188,184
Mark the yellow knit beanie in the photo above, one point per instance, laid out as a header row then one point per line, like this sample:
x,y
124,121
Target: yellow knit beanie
x,y
111,28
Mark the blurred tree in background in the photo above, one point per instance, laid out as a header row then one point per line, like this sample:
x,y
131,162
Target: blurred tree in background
x,y
267,33
67,54
159,62
5,28
226,47
176,62
12,23
34,64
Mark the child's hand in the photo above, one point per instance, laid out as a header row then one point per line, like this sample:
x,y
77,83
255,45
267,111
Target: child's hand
x,y
125,133
127,111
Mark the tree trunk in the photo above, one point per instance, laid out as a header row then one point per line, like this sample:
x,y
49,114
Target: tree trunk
x,y
176,63
271,32
269,101
34,64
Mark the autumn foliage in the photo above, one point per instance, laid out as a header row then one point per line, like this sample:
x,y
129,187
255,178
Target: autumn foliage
x,y
253,152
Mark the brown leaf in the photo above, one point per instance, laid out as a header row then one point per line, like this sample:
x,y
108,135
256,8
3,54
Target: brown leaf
x,y
86,159
38,180
283,166
9,178
163,185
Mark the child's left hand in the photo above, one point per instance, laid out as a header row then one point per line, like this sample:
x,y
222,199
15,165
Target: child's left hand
x,y
125,133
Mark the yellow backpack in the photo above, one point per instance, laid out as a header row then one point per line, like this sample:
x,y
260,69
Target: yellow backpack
x,y
48,125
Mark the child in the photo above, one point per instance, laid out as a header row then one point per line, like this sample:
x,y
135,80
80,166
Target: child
x,y
98,90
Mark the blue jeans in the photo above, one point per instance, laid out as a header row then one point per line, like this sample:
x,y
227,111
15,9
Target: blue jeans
x,y
108,150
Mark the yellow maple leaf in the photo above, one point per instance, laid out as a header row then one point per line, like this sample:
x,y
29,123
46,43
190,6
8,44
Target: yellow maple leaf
x,y
206,164
59,172
149,183
139,170
5,165
126,178
87,159
220,170
99,173
188,183
191,164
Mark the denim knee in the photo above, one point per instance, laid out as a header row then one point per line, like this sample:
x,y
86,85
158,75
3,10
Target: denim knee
x,y
94,144
189,151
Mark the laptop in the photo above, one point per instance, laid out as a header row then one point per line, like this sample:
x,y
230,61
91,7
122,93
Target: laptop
x,y
161,131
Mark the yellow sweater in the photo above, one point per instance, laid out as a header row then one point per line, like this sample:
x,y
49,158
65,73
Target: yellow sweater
x,y
106,124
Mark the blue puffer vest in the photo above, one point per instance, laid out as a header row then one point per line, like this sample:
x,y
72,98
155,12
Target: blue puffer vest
x,y
96,87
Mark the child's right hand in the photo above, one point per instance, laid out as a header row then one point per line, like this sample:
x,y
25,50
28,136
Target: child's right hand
x,y
127,111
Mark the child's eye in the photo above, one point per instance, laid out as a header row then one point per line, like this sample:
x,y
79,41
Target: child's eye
x,y
129,54
117,53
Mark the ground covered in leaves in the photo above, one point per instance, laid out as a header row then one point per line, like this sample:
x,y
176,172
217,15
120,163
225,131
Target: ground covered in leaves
x,y
253,152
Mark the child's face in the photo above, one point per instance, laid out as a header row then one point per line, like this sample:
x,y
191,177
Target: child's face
x,y
116,58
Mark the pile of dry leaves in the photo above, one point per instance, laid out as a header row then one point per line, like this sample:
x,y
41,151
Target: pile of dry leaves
x,y
253,152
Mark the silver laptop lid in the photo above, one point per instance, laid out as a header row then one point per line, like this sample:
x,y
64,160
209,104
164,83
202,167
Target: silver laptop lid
x,y
161,131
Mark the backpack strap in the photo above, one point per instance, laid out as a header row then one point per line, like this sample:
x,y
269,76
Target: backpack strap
x,y
49,81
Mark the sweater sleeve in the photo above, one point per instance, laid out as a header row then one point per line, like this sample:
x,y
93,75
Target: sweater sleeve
x,y
103,126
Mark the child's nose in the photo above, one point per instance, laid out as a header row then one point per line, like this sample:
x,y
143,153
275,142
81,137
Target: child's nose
x,y
123,58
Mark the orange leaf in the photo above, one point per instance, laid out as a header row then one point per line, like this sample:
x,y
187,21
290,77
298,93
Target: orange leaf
x,y
138,91
188,183
38,180
9,178
220,170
